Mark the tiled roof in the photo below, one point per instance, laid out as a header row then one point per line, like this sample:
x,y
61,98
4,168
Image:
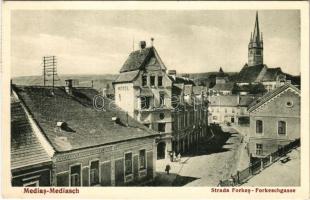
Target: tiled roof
x,y
179,80
26,150
223,87
249,73
86,126
137,59
269,95
272,74
126,76
177,89
226,100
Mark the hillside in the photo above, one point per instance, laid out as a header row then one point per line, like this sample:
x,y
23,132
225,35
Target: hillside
x,y
99,81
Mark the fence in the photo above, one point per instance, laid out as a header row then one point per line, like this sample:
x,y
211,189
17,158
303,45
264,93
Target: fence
x,y
258,165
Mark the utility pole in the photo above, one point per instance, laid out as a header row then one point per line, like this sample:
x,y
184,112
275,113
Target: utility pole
x,y
49,69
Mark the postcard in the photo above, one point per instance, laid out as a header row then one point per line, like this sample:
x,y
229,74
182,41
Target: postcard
x,y
155,100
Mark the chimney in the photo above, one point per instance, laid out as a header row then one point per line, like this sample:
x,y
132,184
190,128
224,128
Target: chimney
x,y
172,73
152,41
68,87
142,45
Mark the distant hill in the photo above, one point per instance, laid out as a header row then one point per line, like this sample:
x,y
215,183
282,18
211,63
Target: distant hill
x,y
99,81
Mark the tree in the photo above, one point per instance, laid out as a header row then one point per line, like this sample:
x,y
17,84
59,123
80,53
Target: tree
x,y
257,89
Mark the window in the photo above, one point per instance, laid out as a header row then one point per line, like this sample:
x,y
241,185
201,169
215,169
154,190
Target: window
x,y
145,102
144,80
128,163
289,104
259,126
161,99
259,149
281,127
119,97
217,110
152,80
160,81
161,127
225,110
233,110
75,175
94,173
147,125
214,117
142,160
161,115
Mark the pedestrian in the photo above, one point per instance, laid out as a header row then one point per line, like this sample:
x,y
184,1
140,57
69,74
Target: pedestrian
x,y
233,180
174,157
171,156
167,168
179,157
220,184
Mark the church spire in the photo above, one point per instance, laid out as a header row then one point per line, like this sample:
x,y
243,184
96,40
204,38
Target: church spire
x,y
256,35
255,54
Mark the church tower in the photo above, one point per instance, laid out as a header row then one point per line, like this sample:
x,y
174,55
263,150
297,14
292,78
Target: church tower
x,y
255,54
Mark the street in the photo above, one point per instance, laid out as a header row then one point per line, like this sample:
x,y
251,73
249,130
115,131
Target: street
x,y
214,161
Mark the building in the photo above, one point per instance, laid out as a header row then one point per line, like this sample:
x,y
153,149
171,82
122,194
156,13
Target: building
x,y
222,86
31,165
230,109
90,141
190,114
274,120
143,89
255,71
157,99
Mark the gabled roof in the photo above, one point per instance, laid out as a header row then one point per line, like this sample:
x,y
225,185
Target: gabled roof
x,y
86,126
138,59
269,95
249,73
126,76
26,150
177,89
272,74
223,87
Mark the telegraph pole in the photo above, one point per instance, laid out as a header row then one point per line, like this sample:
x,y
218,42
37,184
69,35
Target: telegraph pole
x,y
49,69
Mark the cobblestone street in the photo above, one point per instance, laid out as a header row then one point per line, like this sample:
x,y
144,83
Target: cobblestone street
x,y
215,160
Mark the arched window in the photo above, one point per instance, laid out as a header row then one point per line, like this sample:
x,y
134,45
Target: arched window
x,y
259,126
281,127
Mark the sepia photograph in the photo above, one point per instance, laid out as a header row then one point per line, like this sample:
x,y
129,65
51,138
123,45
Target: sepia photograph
x,y
157,98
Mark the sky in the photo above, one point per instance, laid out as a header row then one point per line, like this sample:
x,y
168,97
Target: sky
x,y
99,42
